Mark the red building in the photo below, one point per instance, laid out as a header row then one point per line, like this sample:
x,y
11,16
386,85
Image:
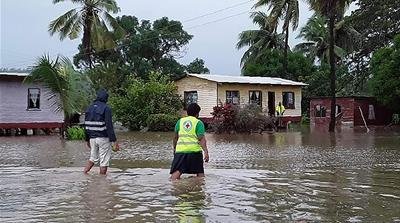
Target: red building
x,y
349,111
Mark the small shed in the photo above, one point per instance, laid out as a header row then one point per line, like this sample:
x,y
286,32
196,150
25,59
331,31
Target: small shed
x,y
26,106
212,90
348,111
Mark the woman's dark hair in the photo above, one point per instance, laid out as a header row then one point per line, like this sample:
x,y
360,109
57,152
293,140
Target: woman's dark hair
x,y
193,109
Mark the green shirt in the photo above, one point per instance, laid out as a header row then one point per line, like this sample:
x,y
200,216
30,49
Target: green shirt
x,y
200,129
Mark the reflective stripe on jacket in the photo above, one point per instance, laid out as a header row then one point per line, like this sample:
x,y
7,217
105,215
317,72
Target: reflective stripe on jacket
x,y
188,141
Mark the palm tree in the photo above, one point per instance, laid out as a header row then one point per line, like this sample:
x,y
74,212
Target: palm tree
x,y
288,12
70,91
331,9
316,36
260,39
93,17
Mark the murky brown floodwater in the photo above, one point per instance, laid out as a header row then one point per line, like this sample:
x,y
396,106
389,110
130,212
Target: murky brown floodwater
x,y
282,177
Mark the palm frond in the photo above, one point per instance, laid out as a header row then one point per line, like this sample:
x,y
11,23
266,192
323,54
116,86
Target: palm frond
x,y
108,5
64,83
57,24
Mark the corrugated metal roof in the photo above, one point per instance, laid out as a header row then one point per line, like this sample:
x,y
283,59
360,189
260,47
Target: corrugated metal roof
x,y
247,80
13,74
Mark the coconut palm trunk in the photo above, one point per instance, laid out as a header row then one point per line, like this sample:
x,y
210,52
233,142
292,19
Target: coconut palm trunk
x,y
332,62
87,35
285,53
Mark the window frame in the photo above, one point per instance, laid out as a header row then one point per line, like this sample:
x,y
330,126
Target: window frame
x,y
293,106
185,94
226,97
28,108
260,97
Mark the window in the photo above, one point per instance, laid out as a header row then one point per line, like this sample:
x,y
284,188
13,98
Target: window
x,y
320,111
190,97
288,100
33,98
255,97
232,97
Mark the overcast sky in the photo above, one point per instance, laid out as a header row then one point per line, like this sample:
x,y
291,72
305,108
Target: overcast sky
x,y
24,25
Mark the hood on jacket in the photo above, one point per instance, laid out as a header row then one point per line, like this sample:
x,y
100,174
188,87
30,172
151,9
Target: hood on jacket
x,y
102,96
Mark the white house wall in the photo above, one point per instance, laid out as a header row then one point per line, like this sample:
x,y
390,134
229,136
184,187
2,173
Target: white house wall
x,y
206,91
14,102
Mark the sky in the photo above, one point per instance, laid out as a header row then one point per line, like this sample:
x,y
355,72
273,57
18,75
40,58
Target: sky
x,y
24,29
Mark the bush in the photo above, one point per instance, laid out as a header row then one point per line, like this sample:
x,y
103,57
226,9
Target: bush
x,y
162,122
141,99
224,118
76,133
230,118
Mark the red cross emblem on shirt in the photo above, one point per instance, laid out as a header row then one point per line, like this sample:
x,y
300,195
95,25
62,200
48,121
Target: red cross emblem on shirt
x,y
187,125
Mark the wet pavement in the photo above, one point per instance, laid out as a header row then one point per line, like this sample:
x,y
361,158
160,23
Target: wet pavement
x,y
303,176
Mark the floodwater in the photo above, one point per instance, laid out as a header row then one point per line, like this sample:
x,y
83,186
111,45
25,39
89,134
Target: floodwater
x,y
283,177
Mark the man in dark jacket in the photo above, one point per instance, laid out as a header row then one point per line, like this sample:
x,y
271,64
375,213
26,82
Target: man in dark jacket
x,y
100,136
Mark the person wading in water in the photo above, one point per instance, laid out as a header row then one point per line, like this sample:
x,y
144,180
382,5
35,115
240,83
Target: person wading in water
x,y
189,144
100,136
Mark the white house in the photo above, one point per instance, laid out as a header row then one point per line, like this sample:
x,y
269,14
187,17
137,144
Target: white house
x,y
26,106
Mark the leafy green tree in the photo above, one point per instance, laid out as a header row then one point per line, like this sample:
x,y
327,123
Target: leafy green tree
x,y
270,64
93,18
106,76
378,22
260,39
73,88
141,99
148,46
385,83
333,10
288,12
316,36
197,67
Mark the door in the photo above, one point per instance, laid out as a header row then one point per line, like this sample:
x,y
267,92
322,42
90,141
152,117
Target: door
x,y
271,103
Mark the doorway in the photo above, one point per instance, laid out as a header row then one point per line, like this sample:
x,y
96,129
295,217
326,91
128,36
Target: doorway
x,y
271,103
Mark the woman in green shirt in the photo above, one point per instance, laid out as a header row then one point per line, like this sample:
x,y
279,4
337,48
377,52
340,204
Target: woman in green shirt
x,y
189,144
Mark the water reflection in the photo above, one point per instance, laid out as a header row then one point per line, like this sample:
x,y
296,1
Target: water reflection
x,y
190,199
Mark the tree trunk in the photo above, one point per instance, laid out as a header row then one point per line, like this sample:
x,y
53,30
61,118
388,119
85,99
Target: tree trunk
x,y
285,53
87,35
332,61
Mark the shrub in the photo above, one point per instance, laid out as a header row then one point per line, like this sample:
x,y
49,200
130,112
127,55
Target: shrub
x,y
230,118
162,122
76,133
224,118
140,99
396,119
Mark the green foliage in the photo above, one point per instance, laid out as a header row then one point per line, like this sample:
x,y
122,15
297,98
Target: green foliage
x,y
270,64
197,67
140,99
316,36
385,83
92,18
162,122
259,40
249,118
72,87
396,119
147,47
378,22
106,76
230,118
76,133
